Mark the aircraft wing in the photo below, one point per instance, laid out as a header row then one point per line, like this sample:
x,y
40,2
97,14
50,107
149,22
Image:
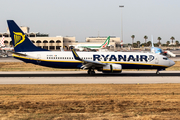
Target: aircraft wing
x,y
87,63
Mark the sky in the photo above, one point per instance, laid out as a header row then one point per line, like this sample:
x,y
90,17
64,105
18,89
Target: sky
x,y
85,18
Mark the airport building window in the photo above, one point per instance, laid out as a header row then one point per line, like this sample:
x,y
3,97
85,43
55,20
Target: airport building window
x,y
58,47
32,35
5,35
58,41
38,41
5,41
45,41
52,41
51,47
45,47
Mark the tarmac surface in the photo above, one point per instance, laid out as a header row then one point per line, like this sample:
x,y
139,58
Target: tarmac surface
x,y
81,77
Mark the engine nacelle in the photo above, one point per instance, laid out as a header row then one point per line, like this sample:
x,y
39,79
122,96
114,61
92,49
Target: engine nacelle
x,y
112,68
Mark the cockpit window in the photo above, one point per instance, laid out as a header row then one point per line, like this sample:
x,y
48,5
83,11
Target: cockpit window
x,y
165,58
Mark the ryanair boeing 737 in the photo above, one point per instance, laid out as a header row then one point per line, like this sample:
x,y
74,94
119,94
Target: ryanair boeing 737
x,y
110,62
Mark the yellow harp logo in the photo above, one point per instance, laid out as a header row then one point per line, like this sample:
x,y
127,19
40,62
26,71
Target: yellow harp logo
x,y
18,38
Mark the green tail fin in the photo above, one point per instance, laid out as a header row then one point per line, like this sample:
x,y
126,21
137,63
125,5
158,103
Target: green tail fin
x,y
106,43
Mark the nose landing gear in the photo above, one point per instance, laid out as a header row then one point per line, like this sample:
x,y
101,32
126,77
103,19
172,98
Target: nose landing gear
x,y
157,72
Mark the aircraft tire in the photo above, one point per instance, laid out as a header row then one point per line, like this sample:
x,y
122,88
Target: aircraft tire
x,y
91,72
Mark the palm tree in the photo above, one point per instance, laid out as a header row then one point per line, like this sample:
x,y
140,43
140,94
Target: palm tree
x,y
159,38
138,43
145,37
177,43
133,36
148,43
168,42
172,38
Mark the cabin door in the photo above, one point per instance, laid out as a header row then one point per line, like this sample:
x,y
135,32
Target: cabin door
x,y
38,58
156,59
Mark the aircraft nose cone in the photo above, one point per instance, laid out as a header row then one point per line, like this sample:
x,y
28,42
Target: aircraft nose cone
x,y
172,63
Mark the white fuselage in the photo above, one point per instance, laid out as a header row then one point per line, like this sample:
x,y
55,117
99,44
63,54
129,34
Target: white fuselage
x,y
128,60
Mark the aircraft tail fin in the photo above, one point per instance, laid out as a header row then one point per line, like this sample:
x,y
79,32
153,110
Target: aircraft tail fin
x,y
20,41
106,43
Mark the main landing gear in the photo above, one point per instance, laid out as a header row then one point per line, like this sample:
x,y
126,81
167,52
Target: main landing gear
x,y
91,72
157,72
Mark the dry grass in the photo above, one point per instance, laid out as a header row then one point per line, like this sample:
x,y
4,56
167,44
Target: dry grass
x,y
90,101
21,66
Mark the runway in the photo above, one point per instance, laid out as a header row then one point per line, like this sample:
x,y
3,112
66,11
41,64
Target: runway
x,y
81,77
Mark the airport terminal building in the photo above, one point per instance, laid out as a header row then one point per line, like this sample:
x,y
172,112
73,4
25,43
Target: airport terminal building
x,y
58,42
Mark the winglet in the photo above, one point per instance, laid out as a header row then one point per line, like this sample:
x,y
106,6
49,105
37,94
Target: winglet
x,y
75,55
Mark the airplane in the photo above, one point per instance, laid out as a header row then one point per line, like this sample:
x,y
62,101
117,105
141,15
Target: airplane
x,y
2,42
3,47
106,62
158,50
93,46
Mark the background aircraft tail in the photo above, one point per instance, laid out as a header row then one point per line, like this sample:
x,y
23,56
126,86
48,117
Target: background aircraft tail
x,y
152,41
106,43
20,41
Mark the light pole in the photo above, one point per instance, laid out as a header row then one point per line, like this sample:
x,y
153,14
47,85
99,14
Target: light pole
x,y
121,6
